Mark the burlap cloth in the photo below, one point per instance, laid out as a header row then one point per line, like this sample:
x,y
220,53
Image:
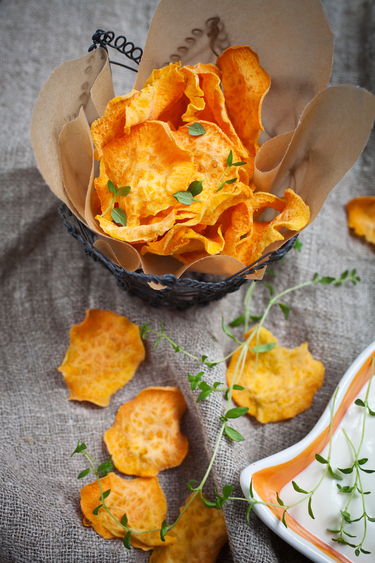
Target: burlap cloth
x,y
47,283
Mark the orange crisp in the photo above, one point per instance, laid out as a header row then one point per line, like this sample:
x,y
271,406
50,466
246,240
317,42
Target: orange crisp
x,y
361,217
103,354
146,437
143,502
283,384
199,535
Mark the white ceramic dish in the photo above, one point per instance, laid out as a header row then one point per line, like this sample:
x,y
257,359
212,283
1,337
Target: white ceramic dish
x,y
273,473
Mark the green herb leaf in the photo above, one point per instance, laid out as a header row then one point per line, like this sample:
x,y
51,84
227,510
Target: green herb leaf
x,y
228,332
196,187
233,434
216,384
298,245
111,187
124,520
363,461
79,449
255,319
283,519
251,489
107,466
204,386
204,395
334,475
237,322
186,198
347,470
346,516
227,491
349,535
371,413
123,192
369,471
285,309
364,551
327,280
196,129
281,503
126,541
156,343
96,510
320,459
230,158
144,330
190,485
309,509
84,473
248,512
263,348
359,402
106,494
236,412
164,530
333,531
241,163
208,503
270,287
204,358
298,489
194,380
238,387
119,216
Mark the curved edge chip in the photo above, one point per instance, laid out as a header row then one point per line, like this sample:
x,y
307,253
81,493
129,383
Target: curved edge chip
x,y
103,355
143,502
361,217
283,384
146,437
199,535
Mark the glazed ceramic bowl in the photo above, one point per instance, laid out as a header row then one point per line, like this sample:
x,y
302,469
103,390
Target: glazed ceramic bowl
x,y
270,475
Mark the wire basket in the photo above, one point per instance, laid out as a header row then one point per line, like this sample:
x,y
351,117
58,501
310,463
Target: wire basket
x,y
184,292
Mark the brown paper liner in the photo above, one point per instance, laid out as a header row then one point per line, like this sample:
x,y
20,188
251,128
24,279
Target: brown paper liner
x,y
312,136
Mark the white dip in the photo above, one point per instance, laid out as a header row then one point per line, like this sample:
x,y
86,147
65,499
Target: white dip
x,y
327,500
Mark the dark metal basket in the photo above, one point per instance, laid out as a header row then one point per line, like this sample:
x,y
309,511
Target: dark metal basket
x,y
181,292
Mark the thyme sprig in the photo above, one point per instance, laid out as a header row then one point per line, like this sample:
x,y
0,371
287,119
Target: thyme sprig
x,y
118,215
357,487
230,163
230,413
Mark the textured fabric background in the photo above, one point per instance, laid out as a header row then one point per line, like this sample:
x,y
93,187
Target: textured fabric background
x,y
47,283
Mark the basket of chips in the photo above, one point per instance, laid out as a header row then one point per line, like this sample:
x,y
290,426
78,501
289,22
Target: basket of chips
x,y
210,166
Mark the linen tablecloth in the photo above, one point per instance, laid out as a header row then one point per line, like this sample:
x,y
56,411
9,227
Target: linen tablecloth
x,y
47,283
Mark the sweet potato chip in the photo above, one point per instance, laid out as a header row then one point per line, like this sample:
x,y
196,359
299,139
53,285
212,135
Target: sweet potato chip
x,y
143,502
146,437
245,84
103,354
112,125
361,217
294,215
284,383
200,534
149,161
156,97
